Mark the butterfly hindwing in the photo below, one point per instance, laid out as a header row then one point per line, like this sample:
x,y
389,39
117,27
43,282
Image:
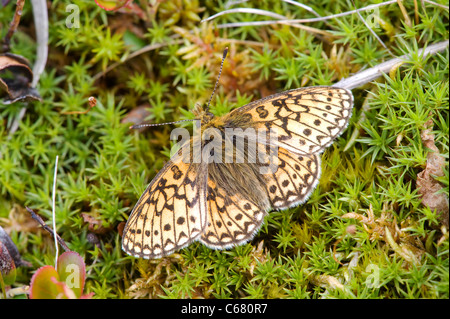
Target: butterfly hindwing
x,y
233,219
170,214
294,180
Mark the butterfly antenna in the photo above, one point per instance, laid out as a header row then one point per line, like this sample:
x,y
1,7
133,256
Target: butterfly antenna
x,y
217,82
136,126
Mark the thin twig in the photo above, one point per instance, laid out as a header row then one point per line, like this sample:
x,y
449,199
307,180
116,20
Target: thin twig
x,y
38,218
13,26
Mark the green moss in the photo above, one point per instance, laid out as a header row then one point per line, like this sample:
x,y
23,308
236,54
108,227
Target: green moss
x,y
371,170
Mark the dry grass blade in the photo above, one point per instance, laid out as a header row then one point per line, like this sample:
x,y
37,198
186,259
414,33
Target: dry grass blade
x,y
294,21
437,4
41,21
304,6
247,10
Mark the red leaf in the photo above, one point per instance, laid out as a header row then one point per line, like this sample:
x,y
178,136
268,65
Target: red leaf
x,y
42,285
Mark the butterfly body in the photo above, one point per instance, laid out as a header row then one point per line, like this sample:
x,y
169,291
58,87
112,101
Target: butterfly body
x,y
221,199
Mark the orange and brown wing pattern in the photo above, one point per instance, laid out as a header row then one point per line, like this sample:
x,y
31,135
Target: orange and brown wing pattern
x,y
306,120
294,180
232,219
170,214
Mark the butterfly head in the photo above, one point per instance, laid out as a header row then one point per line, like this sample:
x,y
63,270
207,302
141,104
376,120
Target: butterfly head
x,y
202,114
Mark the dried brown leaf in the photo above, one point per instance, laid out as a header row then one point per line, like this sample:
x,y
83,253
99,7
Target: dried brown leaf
x,y
137,116
428,187
95,224
11,255
15,79
386,228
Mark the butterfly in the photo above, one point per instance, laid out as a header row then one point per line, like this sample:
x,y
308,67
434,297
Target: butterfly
x,y
223,203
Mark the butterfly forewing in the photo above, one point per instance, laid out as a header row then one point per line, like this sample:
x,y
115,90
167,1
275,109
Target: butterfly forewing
x,y
306,120
170,214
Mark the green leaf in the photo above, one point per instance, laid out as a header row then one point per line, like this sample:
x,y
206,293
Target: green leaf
x,y
72,271
44,284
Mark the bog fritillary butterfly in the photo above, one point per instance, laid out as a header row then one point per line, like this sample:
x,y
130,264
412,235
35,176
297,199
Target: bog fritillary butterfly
x,y
224,204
